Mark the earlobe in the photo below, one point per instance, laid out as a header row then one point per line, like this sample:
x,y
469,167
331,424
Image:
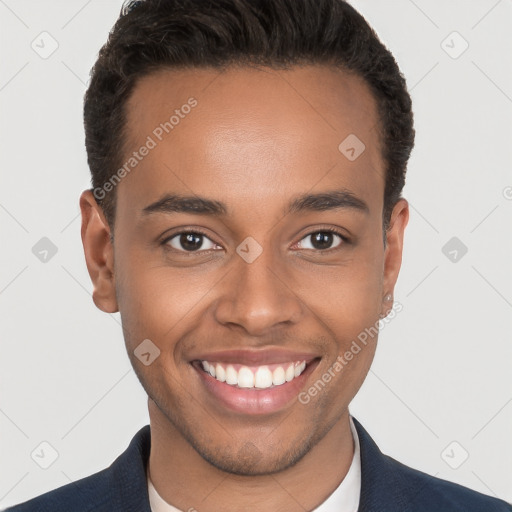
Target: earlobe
x,y
99,253
387,304
393,252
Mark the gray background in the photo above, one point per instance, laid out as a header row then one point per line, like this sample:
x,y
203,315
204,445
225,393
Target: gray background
x,y
442,369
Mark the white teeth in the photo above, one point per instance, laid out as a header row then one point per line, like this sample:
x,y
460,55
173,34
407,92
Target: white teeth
x,y
278,376
220,373
290,373
231,376
245,378
262,377
299,368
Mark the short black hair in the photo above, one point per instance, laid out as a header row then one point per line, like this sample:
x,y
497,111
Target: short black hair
x,y
178,34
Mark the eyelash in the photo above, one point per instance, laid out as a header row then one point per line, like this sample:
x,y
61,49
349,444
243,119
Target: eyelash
x,y
198,231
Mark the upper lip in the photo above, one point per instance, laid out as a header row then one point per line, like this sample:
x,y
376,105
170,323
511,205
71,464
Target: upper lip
x,y
256,357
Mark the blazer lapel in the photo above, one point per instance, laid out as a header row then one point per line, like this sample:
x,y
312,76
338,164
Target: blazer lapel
x,y
380,481
127,478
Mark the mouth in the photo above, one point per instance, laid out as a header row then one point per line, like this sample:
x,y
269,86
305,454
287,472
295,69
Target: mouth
x,y
254,377
239,384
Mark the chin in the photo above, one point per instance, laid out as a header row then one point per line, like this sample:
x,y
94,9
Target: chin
x,y
249,460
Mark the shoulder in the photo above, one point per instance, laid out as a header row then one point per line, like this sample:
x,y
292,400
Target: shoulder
x,y
120,487
87,494
421,492
387,485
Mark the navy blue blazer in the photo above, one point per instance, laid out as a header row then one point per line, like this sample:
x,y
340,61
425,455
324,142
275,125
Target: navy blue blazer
x,y
386,486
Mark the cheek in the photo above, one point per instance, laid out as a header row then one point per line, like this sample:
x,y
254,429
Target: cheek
x,y
156,301
346,301
347,297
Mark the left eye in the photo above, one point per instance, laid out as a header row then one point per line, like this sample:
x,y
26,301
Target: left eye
x,y
323,240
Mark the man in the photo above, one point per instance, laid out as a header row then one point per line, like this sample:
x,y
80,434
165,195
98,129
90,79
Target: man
x,y
246,220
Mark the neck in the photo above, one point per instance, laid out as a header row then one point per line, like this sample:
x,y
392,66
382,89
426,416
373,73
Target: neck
x,y
188,482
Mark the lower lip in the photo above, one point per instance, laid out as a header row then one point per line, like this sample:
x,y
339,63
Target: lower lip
x,y
253,400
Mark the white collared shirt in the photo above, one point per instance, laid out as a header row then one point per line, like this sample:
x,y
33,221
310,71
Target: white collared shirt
x,y
345,497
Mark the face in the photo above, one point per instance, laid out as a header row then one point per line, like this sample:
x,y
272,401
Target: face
x,y
255,286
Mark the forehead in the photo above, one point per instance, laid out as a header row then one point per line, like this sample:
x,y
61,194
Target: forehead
x,y
252,136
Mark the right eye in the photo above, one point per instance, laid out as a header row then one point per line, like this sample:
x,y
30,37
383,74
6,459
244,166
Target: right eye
x,y
189,241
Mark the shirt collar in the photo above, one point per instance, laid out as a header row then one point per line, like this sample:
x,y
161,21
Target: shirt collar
x,y
346,496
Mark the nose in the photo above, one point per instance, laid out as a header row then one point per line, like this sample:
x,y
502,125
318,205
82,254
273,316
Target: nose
x,y
258,296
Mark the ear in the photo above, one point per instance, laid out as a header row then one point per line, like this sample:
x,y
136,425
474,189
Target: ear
x,y
393,253
99,252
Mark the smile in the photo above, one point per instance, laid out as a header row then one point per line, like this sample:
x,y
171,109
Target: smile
x,y
253,383
260,377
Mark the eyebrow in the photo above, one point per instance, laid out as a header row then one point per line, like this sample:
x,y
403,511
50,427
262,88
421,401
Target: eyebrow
x,y
324,201
172,203
332,200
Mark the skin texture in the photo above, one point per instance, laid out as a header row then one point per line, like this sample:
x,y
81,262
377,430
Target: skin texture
x,y
256,139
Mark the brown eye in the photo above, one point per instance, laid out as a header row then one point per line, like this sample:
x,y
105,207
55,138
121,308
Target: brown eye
x,y
190,241
323,240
